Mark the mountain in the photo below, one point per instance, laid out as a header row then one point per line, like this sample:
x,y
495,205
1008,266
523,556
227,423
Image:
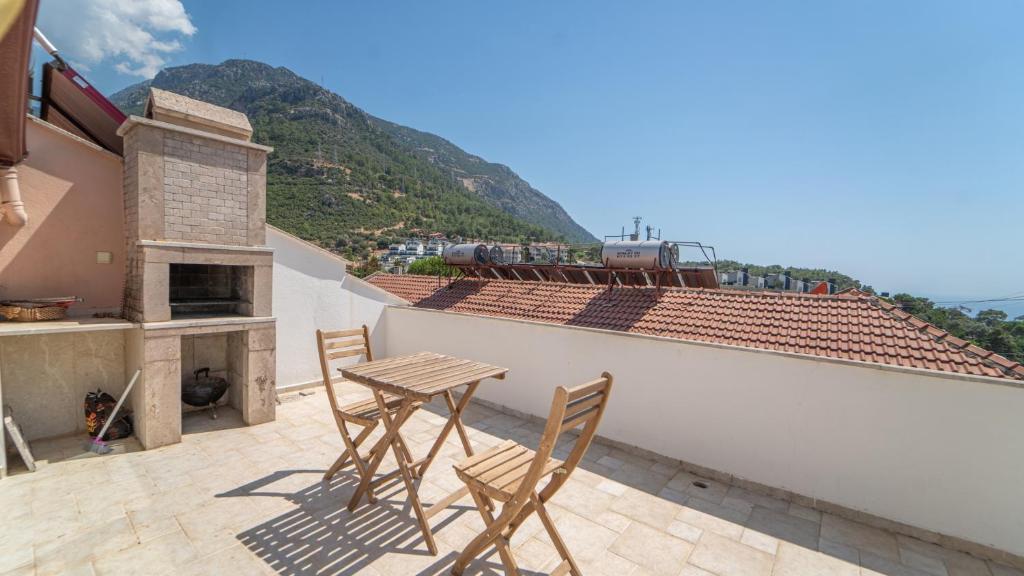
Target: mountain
x,y
496,183
353,182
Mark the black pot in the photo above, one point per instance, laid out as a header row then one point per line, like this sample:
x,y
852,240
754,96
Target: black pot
x,y
205,390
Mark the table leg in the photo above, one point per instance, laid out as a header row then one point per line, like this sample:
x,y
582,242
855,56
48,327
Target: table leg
x,y
414,498
380,449
454,421
405,461
386,417
450,399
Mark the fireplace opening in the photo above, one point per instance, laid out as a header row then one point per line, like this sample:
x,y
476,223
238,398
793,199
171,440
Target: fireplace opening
x,y
206,290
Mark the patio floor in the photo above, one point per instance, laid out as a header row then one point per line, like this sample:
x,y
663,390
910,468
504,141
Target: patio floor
x,y
231,499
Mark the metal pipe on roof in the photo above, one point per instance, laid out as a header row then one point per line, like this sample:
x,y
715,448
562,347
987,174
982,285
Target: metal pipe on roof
x,y
12,209
48,46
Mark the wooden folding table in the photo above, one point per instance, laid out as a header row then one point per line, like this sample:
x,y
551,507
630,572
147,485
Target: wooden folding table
x,y
417,378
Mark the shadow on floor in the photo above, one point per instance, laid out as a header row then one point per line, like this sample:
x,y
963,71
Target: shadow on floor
x,y
201,421
320,536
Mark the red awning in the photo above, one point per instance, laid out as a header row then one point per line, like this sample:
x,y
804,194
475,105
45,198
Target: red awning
x,y
71,103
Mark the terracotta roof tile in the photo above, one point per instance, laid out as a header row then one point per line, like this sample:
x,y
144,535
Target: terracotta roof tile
x,y
852,325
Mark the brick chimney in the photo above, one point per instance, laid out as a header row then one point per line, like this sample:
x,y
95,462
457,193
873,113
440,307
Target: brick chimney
x,y
199,270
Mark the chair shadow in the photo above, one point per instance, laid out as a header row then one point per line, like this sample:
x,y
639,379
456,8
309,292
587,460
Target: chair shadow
x,y
320,536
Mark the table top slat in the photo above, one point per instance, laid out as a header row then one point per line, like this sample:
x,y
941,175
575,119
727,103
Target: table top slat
x,y
410,372
434,372
473,374
421,376
368,368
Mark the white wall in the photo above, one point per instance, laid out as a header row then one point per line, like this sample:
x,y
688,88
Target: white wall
x,y
935,452
311,291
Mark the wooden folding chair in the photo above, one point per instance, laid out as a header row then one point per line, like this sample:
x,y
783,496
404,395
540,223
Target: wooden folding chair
x,y
339,344
510,472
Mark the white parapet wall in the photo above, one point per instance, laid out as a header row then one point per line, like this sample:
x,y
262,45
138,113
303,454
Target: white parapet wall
x,y
926,449
313,291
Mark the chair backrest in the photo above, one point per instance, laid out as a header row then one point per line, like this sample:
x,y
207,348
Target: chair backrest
x,y
571,408
337,344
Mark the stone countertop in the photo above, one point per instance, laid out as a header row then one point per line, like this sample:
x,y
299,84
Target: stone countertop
x,y
8,328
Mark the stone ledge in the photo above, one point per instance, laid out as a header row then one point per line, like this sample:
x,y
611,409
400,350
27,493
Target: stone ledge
x,y
213,325
8,328
134,121
203,246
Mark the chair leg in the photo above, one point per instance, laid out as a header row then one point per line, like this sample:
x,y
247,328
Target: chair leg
x,y
343,459
517,522
556,538
483,503
367,430
352,450
480,543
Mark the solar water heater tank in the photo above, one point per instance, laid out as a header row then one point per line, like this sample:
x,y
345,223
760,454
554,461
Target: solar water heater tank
x,y
639,254
466,255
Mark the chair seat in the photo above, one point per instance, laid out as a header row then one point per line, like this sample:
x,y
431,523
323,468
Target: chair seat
x,y
499,471
366,411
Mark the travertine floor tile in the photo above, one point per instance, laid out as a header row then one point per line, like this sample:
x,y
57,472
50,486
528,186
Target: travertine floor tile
x,y
860,536
656,551
721,521
784,526
685,531
1002,570
873,565
647,508
248,500
793,560
923,562
69,551
726,557
163,555
691,570
762,542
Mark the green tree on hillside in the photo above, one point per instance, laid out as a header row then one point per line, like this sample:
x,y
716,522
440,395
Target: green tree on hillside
x,y
989,329
432,266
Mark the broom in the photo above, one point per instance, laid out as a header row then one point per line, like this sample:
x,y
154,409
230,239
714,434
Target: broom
x,y
98,446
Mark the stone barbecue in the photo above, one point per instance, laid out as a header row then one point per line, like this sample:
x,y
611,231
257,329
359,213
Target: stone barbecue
x,y
199,273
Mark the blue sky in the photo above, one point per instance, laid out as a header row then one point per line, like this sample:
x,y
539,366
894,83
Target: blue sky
x,y
881,139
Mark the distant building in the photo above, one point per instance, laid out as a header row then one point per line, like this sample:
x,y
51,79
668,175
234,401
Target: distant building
x,y
414,246
436,245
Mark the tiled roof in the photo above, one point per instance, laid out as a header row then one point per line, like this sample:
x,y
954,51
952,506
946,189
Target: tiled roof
x,y
852,326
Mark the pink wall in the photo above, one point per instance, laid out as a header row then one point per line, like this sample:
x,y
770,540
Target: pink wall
x,y
73,195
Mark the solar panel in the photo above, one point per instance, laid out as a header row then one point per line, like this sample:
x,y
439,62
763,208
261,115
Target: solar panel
x,y
690,277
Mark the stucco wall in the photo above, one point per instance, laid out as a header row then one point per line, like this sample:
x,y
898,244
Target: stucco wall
x,y
311,291
934,452
45,377
72,193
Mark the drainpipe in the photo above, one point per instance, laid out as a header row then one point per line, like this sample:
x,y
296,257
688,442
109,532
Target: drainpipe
x,y
11,207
